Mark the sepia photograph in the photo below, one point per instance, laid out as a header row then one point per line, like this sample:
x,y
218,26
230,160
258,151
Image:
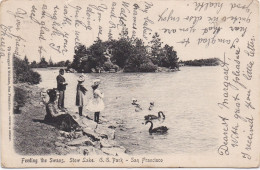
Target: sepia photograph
x,y
130,83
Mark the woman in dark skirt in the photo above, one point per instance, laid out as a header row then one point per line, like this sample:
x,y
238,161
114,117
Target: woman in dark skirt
x,y
81,91
60,120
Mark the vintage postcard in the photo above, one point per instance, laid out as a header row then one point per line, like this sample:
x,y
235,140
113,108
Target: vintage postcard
x,y
132,83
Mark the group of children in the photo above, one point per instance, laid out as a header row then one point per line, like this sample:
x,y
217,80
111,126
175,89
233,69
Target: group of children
x,y
96,104
65,121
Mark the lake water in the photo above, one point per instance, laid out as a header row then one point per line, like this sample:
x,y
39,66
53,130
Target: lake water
x,y
188,98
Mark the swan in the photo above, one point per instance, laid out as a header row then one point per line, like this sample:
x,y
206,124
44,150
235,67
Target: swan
x,y
138,108
151,106
157,130
152,117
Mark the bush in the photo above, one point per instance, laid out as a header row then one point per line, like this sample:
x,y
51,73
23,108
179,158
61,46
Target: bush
x,y
34,77
109,65
144,67
20,98
23,73
148,67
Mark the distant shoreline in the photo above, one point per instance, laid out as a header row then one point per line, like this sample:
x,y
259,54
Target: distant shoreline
x,y
166,70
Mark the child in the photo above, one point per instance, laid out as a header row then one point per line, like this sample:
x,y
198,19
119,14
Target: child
x,y
81,91
96,105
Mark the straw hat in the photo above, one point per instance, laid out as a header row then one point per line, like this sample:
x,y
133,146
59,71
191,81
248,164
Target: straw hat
x,y
81,78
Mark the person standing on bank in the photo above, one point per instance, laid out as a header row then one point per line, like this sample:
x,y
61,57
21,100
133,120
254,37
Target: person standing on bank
x,y
61,87
81,91
96,105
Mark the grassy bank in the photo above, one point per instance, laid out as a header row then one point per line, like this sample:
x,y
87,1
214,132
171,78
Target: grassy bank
x,y
32,136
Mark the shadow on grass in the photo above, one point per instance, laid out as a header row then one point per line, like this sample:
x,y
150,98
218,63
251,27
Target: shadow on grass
x,y
46,122
63,122
38,120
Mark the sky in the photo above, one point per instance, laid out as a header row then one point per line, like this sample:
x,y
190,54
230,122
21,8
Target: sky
x,y
52,29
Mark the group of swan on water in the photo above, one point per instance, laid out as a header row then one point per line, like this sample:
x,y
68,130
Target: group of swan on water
x,y
149,118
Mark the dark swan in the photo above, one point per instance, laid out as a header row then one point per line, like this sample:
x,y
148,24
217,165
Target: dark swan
x,y
157,130
152,117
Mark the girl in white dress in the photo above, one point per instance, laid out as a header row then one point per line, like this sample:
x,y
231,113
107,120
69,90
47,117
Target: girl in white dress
x,y
96,104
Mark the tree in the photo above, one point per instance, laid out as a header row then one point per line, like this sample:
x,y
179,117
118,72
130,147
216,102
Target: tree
x,y
43,63
34,64
131,55
168,57
26,60
85,60
171,57
95,54
138,60
155,48
67,63
80,54
122,49
60,64
50,63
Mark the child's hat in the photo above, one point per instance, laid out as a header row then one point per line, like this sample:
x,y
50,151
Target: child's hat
x,y
81,78
96,82
51,92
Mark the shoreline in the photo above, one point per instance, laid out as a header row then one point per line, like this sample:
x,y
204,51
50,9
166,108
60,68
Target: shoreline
x,y
31,130
159,70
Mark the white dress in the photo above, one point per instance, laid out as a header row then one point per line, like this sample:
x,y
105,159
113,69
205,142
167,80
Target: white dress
x,y
96,104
